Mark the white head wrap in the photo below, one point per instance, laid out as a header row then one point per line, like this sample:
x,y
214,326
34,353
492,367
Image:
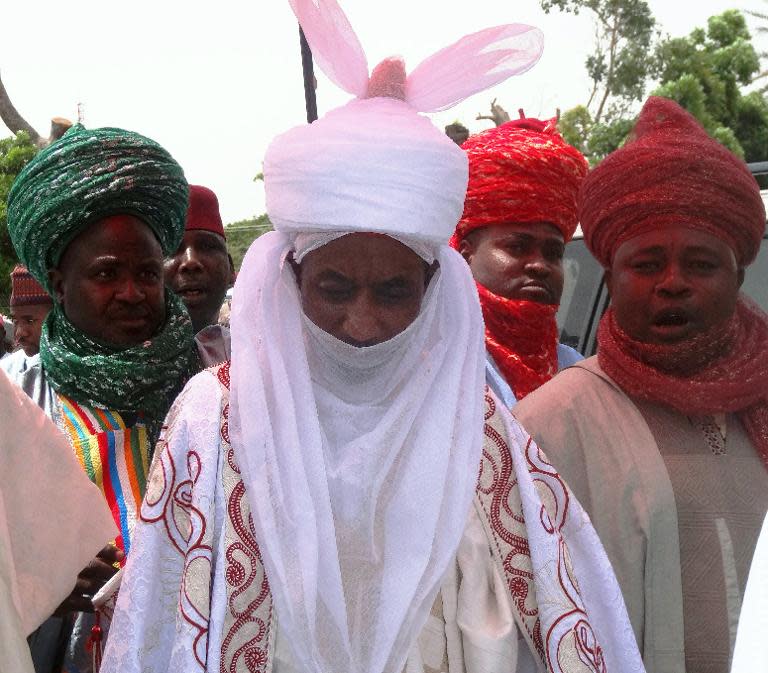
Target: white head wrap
x,y
360,464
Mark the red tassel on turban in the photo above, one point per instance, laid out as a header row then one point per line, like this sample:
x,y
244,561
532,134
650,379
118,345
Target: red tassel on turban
x,y
521,171
671,172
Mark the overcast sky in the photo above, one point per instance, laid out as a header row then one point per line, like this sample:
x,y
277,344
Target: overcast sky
x,y
214,81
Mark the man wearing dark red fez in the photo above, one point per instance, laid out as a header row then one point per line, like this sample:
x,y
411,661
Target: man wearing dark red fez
x,y
201,271
519,212
664,434
30,304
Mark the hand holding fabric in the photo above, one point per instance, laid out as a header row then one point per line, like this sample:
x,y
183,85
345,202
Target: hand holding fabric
x,y
90,579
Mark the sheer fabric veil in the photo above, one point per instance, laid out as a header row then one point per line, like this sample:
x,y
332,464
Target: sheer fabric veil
x,y
360,464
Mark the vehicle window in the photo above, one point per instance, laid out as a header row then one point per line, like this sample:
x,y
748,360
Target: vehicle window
x,y
583,281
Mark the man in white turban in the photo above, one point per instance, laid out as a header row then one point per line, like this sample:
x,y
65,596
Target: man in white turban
x,y
346,496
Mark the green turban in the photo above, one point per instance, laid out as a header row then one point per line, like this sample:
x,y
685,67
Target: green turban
x,y
88,175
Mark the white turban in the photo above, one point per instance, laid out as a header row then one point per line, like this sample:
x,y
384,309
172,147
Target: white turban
x,y
372,165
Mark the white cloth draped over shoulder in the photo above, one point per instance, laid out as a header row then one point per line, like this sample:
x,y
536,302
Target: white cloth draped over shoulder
x,y
53,521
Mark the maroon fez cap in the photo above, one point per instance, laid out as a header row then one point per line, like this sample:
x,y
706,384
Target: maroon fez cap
x,y
203,212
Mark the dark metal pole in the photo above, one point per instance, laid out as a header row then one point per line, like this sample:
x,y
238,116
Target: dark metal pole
x,y
309,78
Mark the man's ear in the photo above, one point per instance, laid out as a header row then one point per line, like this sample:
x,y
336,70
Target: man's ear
x,y
56,281
608,278
295,266
232,274
467,249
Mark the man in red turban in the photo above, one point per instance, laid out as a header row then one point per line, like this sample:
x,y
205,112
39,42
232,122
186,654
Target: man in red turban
x,y
664,434
519,212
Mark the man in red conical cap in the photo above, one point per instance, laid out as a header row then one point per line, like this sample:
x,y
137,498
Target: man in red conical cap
x,y
201,271
664,435
30,304
519,213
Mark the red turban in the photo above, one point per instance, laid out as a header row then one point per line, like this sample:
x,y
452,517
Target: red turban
x,y
25,290
671,172
521,171
203,211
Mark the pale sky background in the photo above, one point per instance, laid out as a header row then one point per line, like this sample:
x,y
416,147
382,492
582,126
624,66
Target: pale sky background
x,y
214,81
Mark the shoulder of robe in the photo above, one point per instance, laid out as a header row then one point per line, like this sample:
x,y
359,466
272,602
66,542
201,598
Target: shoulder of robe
x,y
203,393
497,431
30,372
215,378
221,373
573,391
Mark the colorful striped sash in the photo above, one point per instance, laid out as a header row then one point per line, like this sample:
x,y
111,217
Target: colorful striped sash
x,y
115,458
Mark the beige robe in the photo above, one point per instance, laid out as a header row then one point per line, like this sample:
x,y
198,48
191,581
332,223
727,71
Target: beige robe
x,y
53,520
678,532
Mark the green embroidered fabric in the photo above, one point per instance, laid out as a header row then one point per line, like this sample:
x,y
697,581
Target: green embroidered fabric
x,y
145,377
88,175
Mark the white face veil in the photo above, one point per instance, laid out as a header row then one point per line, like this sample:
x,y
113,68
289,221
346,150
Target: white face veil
x,y
360,464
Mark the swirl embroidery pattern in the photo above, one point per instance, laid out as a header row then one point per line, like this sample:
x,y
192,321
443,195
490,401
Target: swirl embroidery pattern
x,y
502,505
570,637
169,500
248,616
561,635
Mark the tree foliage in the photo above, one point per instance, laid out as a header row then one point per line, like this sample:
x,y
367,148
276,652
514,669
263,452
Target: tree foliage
x,y
15,153
762,29
241,234
706,72
618,66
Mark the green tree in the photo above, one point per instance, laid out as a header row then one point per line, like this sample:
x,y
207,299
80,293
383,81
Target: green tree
x,y
241,234
15,153
762,29
618,67
707,71
593,140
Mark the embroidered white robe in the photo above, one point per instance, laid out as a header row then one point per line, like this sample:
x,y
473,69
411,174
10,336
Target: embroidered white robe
x,y
196,597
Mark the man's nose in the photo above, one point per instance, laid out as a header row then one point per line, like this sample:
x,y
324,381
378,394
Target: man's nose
x,y
537,266
131,291
190,260
361,326
673,281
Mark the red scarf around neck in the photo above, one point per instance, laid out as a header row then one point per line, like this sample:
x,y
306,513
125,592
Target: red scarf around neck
x,y
724,371
521,337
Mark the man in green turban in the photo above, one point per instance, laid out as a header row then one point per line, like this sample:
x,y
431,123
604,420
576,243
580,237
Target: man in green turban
x,y
92,217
